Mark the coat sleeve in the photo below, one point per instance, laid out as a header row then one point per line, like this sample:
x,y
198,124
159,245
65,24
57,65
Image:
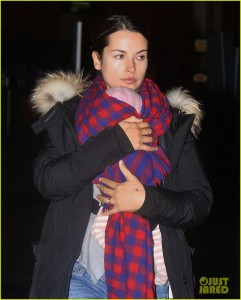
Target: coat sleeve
x,y
58,176
188,200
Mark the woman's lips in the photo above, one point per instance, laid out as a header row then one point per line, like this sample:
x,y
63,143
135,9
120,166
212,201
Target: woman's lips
x,y
129,80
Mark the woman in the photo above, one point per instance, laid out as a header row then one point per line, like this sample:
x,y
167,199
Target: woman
x,y
144,167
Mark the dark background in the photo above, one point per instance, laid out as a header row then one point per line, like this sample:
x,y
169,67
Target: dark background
x,y
39,37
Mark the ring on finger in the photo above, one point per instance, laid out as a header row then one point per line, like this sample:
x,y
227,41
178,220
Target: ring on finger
x,y
108,200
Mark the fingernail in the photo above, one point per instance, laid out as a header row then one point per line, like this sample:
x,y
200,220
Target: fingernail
x,y
100,179
121,162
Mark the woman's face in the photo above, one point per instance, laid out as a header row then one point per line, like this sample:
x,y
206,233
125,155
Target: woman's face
x,y
124,60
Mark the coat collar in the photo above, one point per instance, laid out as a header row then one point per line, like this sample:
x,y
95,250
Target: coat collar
x,y
59,87
177,135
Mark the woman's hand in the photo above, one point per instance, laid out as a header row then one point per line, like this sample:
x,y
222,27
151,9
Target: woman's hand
x,y
138,132
126,196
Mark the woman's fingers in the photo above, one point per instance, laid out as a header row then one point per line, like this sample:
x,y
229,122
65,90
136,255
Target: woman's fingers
x,y
146,131
106,190
133,119
105,199
143,125
110,183
148,148
127,196
126,172
139,133
147,139
112,211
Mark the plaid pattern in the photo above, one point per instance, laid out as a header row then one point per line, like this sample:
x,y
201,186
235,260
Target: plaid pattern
x,y
128,241
129,257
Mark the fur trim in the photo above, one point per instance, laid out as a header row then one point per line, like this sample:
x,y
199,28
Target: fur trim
x,y
56,87
183,101
60,86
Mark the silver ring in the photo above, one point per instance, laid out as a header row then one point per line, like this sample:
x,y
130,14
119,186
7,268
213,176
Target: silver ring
x,y
146,132
108,200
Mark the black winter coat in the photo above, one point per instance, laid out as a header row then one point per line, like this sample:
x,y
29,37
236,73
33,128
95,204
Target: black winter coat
x,y
63,172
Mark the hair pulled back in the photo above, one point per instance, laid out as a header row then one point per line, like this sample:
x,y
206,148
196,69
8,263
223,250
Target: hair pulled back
x,y
113,24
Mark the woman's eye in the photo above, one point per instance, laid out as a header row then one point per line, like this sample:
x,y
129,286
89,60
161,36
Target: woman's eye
x,y
119,56
141,57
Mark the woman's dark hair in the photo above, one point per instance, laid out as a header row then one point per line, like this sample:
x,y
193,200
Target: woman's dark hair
x,y
113,24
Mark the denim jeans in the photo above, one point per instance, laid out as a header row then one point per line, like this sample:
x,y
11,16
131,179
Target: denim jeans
x,y
162,291
81,286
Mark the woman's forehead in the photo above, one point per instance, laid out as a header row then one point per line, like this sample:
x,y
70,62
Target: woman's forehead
x,y
125,39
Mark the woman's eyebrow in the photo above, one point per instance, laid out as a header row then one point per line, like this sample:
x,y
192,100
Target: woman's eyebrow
x,y
118,50
123,51
144,50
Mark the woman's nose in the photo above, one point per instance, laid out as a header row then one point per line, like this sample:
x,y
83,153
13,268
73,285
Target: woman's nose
x,y
130,67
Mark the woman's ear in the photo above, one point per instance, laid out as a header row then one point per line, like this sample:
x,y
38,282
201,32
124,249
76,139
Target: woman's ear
x,y
96,60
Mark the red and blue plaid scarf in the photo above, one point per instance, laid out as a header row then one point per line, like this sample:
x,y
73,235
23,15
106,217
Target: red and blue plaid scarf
x,y
129,265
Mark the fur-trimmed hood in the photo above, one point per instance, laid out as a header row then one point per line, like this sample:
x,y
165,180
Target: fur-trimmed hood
x,y
56,87
60,87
